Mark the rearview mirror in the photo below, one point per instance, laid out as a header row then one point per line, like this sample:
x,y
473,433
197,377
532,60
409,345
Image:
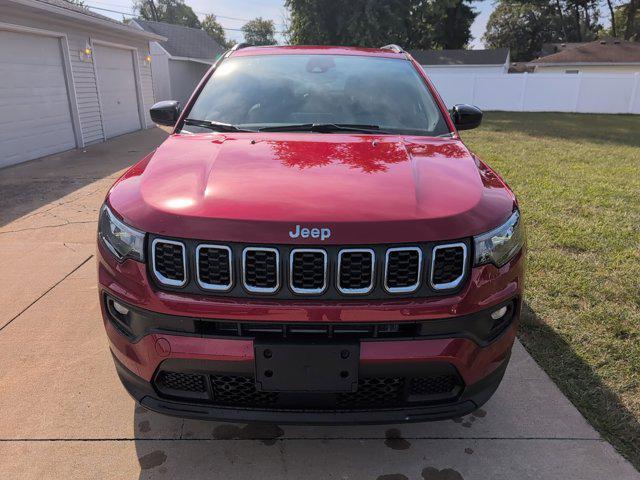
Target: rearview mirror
x,y
165,112
466,117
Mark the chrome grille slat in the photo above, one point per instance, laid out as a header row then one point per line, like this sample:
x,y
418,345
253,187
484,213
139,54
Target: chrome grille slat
x,y
257,269
214,268
448,265
165,263
402,269
304,278
354,269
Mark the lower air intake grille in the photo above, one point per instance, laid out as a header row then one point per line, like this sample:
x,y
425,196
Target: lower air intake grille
x,y
240,391
448,265
373,392
261,270
433,385
179,384
169,262
355,269
227,390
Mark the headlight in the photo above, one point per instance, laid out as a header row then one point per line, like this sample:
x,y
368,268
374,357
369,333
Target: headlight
x,y
122,240
499,245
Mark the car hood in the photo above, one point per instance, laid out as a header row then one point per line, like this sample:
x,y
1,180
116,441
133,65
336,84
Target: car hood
x,y
258,187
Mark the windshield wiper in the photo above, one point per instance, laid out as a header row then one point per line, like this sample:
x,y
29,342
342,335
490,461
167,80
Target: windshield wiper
x,y
324,128
215,126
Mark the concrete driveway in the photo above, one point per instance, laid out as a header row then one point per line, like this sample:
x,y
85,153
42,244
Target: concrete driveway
x,y
63,413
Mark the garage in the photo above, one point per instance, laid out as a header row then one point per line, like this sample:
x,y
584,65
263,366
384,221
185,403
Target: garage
x,y
69,78
115,70
35,113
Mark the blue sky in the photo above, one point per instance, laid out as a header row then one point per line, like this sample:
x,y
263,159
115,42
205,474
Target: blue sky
x,y
232,14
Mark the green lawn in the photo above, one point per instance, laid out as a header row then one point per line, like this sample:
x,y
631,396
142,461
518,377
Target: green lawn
x,y
578,181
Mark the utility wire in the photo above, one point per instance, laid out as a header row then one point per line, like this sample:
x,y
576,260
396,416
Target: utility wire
x,y
133,15
194,11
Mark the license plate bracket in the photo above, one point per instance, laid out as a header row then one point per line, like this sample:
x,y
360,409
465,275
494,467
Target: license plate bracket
x,y
317,367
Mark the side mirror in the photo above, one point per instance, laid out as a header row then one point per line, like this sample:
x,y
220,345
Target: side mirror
x,y
466,117
165,112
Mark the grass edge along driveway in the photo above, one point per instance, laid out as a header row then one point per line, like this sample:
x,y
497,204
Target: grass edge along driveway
x,y
577,177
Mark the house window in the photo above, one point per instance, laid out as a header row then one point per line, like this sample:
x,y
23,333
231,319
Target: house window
x,y
574,72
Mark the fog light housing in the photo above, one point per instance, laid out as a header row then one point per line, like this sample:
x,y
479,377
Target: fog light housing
x,y
498,314
121,309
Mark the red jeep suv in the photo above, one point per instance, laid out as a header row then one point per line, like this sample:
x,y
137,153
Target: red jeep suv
x,y
312,244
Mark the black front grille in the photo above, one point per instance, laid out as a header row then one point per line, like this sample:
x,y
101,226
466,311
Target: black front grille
x,y
403,269
448,265
232,390
292,272
308,270
356,270
442,384
169,260
180,384
228,390
374,392
214,267
261,269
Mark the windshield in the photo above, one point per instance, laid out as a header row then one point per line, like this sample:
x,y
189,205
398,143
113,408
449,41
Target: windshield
x,y
265,91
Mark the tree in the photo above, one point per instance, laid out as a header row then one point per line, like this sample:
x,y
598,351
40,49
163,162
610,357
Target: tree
x,y
169,11
441,24
213,28
625,20
259,32
372,23
632,20
524,26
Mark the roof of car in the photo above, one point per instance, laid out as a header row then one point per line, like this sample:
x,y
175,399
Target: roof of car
x,y
317,50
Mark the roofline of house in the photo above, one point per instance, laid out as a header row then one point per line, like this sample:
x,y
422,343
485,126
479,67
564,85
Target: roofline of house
x,y
583,64
140,27
190,59
72,14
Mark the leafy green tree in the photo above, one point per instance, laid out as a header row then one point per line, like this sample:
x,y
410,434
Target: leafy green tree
x,y
525,25
441,24
259,32
169,11
625,20
213,28
372,23
630,21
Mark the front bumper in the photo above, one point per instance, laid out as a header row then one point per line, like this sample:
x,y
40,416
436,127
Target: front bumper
x,y
473,397
478,362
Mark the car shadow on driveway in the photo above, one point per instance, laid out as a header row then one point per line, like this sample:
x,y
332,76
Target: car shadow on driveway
x,y
601,406
26,187
528,419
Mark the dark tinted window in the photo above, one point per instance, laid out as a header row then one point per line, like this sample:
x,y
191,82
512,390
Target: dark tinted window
x,y
270,90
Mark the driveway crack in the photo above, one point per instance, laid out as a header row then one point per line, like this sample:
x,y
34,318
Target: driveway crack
x,y
46,292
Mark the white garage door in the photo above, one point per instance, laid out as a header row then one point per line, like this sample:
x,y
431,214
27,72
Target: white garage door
x,y
35,116
117,87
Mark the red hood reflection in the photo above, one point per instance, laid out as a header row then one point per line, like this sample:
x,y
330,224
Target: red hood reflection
x,y
367,189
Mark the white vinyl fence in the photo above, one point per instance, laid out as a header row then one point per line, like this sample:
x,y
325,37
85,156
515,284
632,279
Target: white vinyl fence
x,y
538,92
